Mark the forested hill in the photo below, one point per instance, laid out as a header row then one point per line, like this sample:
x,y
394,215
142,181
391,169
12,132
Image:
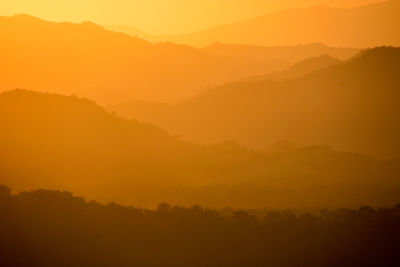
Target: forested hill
x,y
68,143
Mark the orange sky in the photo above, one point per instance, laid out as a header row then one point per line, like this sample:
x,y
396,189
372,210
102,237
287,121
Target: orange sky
x,y
159,16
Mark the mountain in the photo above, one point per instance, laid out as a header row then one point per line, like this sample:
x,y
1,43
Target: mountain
x,y
365,26
132,31
152,111
353,106
109,67
301,68
59,142
292,54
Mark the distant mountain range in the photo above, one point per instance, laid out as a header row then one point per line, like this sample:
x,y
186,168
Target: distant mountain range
x,y
263,114
87,60
353,106
365,26
66,143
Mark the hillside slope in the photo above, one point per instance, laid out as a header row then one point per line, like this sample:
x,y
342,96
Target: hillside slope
x,y
353,106
108,67
301,68
60,142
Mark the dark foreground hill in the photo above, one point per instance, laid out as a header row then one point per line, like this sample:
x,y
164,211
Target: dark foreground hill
x,y
53,228
353,106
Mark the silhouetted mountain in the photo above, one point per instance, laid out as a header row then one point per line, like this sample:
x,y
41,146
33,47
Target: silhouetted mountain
x,y
89,61
54,228
364,26
302,68
152,111
353,106
72,144
281,54
132,31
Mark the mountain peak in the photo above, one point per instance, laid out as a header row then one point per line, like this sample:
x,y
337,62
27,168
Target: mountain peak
x,y
36,99
23,18
379,54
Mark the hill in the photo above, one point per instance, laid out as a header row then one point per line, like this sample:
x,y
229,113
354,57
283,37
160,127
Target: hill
x,y
90,61
54,228
132,31
66,143
153,111
352,106
301,68
290,53
364,26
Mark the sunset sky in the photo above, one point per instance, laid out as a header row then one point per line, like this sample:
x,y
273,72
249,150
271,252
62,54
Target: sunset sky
x,y
159,16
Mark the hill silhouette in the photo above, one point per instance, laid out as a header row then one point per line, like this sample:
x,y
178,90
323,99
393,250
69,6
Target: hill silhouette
x,y
67,143
352,106
301,68
153,111
90,61
364,26
288,54
132,31
53,228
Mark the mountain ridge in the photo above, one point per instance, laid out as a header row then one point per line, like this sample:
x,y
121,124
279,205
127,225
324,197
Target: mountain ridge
x,y
90,61
357,27
69,143
339,105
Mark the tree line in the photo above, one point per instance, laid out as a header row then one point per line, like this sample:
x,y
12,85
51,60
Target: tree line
x,y
53,228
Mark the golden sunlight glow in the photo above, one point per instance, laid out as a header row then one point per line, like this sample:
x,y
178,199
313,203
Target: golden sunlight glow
x,y
199,133
159,16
